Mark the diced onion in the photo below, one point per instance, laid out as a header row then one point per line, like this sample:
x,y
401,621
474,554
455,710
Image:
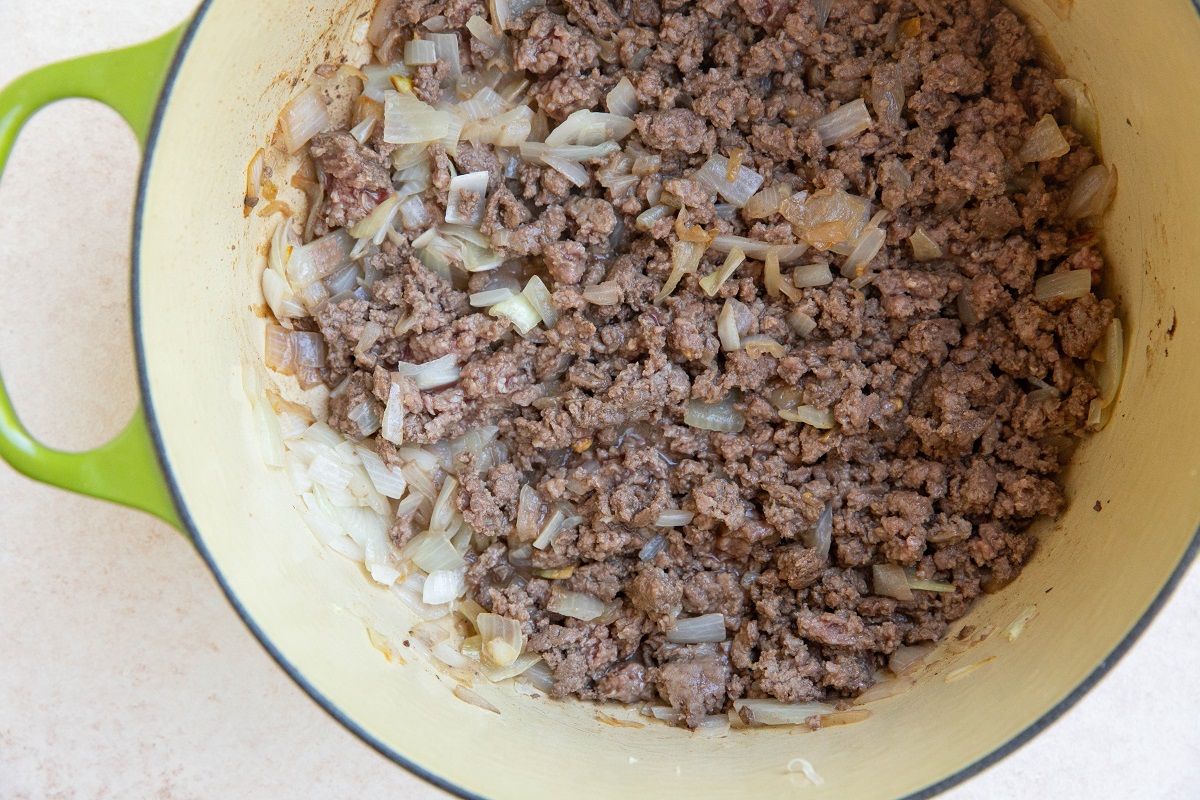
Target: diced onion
x,y
388,481
522,664
568,132
715,175
476,182
810,415
538,295
845,123
446,47
760,345
1081,111
482,31
569,169
363,130
827,218
766,202
501,639
811,275
490,297
774,712
432,551
753,248
622,100
528,513
685,259
319,259
712,283
606,293
924,248
391,425
432,374
929,586
418,52
867,248
576,605
302,118
889,580
773,279
556,523
706,628
510,129
652,548
537,152
1092,193
278,353
1045,142
519,311
721,417
444,507
800,322
673,518
254,174
410,591
444,585
380,216
908,657
485,104
887,94
406,120
1109,371
1066,285
731,322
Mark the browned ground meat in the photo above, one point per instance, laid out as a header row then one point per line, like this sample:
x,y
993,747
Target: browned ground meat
x,y
941,454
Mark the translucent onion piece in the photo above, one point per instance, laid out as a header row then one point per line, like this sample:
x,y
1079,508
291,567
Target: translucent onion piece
x,y
884,690
474,699
410,591
413,214
729,324
1092,193
685,259
576,605
722,417
622,100
810,415
482,31
302,118
774,712
278,353
363,130
889,580
715,174
444,585
1081,111
887,94
810,275
606,293
788,253
388,481
867,248
800,322
569,169
529,512
364,416
1018,625
454,128
550,531
906,659
766,202
930,586
456,211
820,537
379,79
444,507
845,123
712,283
391,425
490,297
380,216
486,103
406,120
446,47
1067,285
826,218
1109,371
758,346
418,52
538,295
673,518
924,248
652,548
432,374
270,436
773,280
706,628
1045,142
319,259
501,639
615,126
821,9
432,551
254,174
537,152
519,311
329,472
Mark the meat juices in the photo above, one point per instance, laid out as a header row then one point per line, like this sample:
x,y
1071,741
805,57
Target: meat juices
x,y
945,447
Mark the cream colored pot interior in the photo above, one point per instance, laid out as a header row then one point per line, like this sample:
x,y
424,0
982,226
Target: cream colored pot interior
x,y
1096,574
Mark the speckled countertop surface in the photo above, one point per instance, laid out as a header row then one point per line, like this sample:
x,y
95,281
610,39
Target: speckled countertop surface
x,y
123,671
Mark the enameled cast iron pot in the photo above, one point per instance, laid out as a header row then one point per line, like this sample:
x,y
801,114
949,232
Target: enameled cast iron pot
x,y
204,98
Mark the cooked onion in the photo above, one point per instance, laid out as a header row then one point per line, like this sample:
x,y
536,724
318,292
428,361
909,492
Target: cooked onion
x,y
774,712
537,152
826,218
418,52
811,275
800,322
615,127
606,293
753,248
906,659
446,47
1066,285
482,31
444,585
706,628
773,280
722,417
1092,193
501,639
519,311
569,169
845,123
685,258
887,94
319,259
576,605
889,580
734,319
1045,142
820,537
712,283
924,248
529,511
476,182
622,100
1081,111
1018,625
432,551
539,297
766,202
303,118
757,346
810,415
867,248
432,374
715,175
1110,369
406,120
490,297
652,548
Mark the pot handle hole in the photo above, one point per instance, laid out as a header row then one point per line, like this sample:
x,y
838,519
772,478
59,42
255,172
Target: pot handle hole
x,y
125,470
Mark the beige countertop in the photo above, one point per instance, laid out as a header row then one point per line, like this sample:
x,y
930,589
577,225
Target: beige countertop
x,y
124,673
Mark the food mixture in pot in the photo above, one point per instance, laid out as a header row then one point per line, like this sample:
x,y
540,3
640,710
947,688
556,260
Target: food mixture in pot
x,y
692,352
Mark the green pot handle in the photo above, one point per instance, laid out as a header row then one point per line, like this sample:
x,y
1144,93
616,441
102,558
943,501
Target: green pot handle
x,y
126,470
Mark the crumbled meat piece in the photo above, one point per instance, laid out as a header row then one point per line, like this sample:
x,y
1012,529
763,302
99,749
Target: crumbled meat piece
x,y
357,178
